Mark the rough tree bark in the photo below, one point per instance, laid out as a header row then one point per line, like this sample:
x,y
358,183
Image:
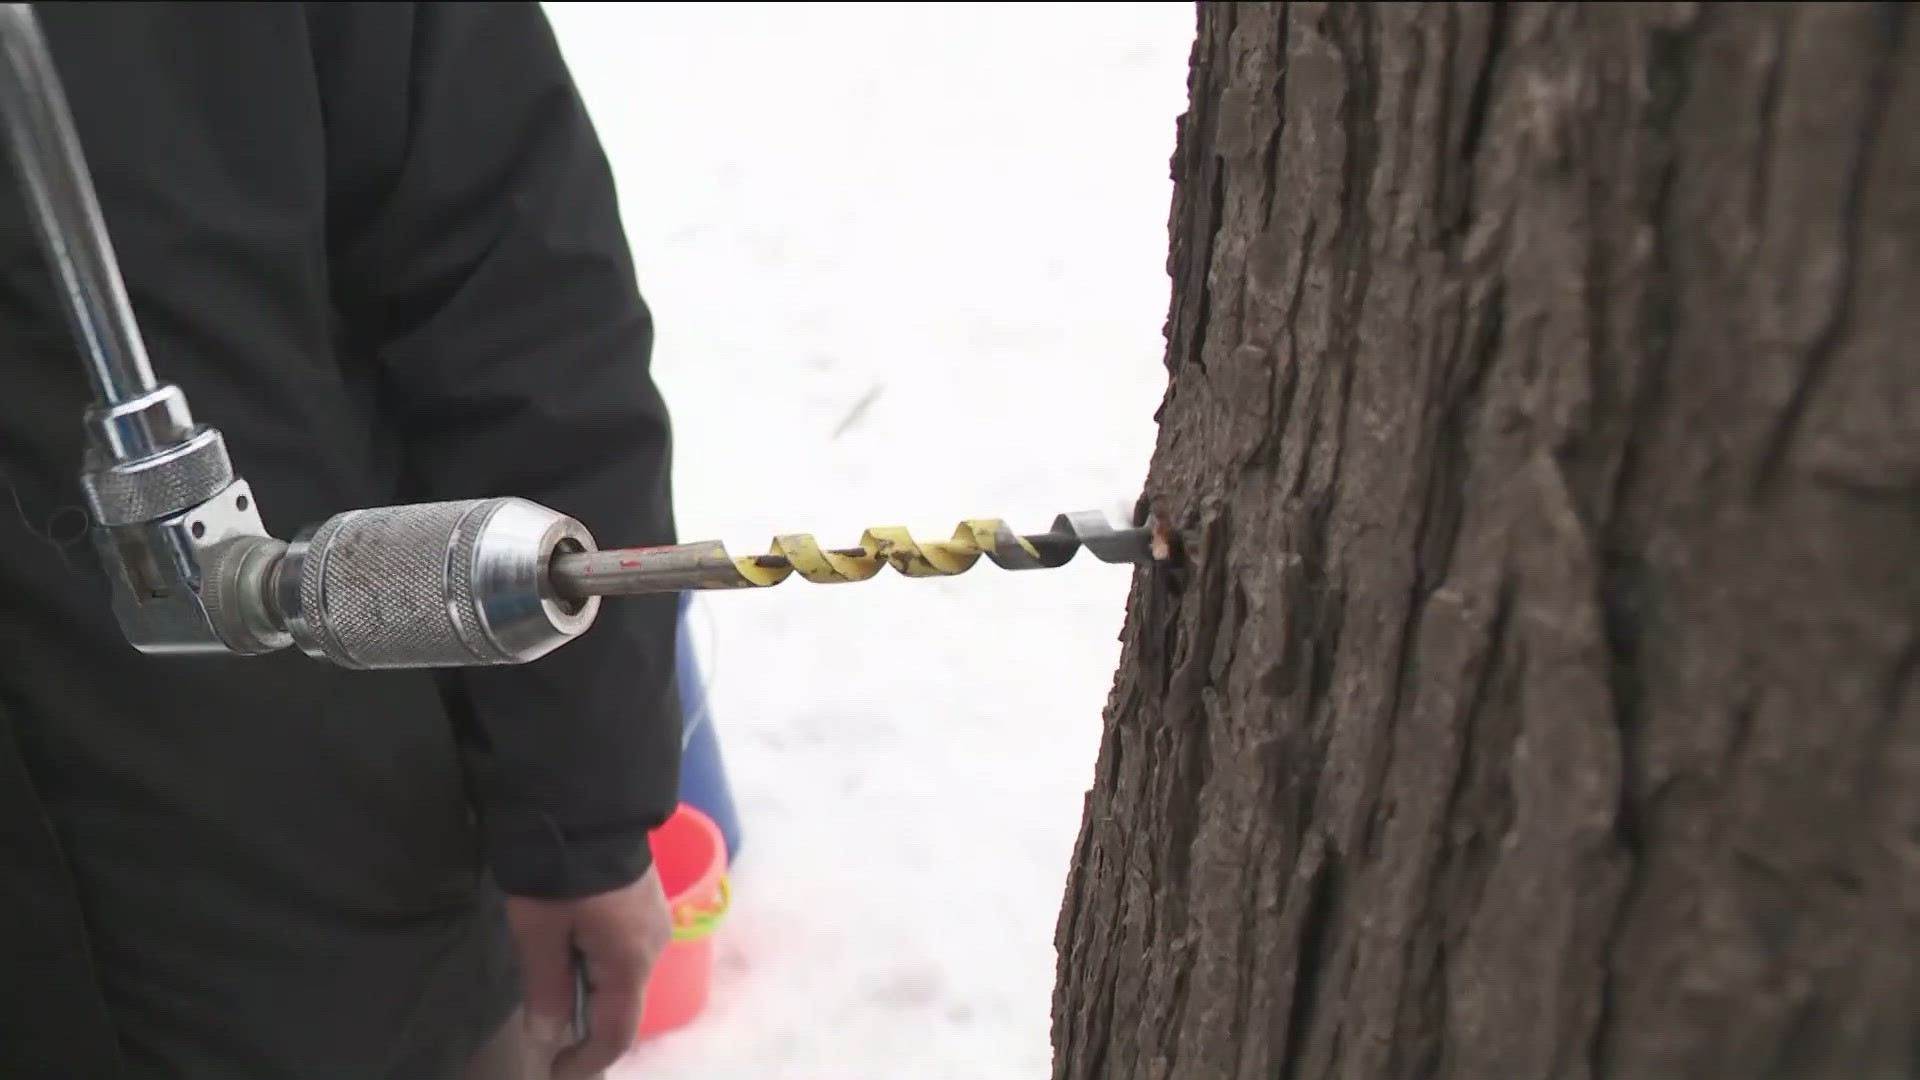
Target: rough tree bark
x,y
1539,699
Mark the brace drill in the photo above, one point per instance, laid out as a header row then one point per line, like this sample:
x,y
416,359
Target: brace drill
x,y
434,585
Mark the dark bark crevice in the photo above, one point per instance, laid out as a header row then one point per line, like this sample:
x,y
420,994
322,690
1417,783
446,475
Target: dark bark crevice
x,y
1315,945
1771,469
1459,211
1623,600
1270,154
1767,103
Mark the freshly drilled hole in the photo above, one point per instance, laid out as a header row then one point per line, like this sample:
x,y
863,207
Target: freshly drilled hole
x,y
242,502
199,529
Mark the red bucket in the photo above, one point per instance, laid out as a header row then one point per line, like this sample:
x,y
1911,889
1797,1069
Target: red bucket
x,y
691,855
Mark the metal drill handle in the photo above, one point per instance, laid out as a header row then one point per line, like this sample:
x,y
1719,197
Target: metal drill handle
x,y
53,169
161,488
135,416
193,569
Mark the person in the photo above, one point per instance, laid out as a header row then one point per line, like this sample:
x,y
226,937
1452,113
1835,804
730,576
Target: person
x,y
378,245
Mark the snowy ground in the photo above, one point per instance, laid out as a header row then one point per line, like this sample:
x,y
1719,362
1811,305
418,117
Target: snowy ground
x,y
954,214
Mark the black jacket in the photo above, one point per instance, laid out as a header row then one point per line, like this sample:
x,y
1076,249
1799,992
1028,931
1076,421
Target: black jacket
x,y
377,245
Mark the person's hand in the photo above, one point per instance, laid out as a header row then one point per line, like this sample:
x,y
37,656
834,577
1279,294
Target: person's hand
x,y
616,937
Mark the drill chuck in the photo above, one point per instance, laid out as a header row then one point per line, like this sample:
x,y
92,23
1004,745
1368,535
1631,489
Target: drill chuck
x,y
431,585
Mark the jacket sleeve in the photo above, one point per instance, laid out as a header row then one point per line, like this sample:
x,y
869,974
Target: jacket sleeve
x,y
479,256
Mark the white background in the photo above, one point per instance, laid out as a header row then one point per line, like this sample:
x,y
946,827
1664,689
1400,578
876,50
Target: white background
x,y
956,212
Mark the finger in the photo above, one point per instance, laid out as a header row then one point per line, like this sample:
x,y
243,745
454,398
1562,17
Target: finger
x,y
547,973
616,983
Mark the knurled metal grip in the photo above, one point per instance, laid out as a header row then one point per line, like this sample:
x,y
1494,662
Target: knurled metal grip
x,y
450,584
160,485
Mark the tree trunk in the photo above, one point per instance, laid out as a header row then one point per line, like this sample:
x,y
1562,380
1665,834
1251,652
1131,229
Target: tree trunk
x,y
1538,698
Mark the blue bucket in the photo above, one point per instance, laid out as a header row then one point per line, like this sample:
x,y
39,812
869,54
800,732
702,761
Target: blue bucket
x,y
703,772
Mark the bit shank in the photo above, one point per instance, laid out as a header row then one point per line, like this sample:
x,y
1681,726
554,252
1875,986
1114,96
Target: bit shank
x,y
708,565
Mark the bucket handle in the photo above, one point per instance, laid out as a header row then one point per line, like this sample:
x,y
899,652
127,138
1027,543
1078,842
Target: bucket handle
x,y
696,922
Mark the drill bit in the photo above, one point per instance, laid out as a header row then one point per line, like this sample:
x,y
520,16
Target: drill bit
x,y
707,565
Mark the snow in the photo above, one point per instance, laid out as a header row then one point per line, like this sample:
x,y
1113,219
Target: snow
x,y
956,214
